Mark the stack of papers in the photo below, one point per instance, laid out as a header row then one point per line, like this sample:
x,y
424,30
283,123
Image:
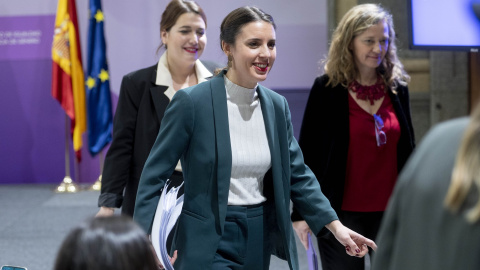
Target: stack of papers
x,y
168,210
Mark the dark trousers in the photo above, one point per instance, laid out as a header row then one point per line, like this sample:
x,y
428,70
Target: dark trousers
x,y
244,243
333,254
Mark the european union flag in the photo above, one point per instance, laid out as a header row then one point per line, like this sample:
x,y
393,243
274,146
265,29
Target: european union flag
x,y
99,103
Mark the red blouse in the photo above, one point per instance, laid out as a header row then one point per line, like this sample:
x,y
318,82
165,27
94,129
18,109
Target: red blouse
x,y
371,169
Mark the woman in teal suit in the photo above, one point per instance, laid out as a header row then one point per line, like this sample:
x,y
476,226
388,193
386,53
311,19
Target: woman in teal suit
x,y
241,163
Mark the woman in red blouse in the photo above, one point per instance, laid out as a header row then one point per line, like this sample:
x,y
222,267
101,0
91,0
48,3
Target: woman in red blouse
x,y
361,108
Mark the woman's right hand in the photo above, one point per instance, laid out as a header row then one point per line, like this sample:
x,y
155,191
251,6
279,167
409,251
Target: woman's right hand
x,y
302,230
355,244
105,212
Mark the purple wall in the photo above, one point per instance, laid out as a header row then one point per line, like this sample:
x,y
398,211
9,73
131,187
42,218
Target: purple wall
x,y
32,137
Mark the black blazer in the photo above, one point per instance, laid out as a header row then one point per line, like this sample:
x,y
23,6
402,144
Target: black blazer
x,y
324,136
140,109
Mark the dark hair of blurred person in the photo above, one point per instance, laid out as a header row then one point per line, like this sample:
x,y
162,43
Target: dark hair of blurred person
x,y
106,243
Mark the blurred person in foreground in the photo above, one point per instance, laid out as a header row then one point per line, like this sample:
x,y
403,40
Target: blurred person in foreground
x,y
433,218
106,243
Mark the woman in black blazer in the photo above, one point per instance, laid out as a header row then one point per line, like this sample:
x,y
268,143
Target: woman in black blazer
x,y
357,132
144,95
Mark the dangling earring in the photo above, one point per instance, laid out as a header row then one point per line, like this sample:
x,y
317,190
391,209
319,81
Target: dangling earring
x,y
230,60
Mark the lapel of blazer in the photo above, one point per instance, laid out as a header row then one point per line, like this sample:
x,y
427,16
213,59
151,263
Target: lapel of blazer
x,y
280,194
271,129
268,112
160,101
398,110
223,147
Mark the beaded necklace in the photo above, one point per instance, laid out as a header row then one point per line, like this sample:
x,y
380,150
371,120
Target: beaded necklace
x,y
370,92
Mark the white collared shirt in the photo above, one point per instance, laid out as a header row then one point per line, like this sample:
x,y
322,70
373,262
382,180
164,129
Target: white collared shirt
x,y
165,78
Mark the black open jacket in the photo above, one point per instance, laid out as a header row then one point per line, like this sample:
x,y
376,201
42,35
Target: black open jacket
x,y
324,136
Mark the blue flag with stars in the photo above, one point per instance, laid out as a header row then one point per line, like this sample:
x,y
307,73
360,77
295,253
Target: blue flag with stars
x,y
99,103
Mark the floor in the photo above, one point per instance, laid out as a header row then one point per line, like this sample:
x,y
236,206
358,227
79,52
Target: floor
x,y
34,220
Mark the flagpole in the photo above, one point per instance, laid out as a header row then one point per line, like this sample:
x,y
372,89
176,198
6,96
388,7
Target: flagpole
x,y
67,184
98,184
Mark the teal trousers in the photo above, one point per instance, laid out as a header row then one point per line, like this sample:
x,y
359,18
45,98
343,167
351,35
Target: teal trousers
x,y
244,243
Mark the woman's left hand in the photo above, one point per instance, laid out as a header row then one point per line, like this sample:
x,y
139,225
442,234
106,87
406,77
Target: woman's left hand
x,y
355,244
302,230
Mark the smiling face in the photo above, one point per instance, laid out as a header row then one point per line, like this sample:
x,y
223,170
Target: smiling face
x,y
186,39
253,53
369,48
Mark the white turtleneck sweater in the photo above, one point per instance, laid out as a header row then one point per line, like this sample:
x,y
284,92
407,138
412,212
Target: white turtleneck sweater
x,y
250,151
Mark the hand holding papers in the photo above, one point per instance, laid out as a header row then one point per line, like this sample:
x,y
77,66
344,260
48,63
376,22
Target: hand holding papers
x,y
168,210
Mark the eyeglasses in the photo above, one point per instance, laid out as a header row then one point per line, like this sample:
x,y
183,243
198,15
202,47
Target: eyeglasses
x,y
379,133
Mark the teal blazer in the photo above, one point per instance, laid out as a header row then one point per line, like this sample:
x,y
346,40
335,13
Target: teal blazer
x,y
195,130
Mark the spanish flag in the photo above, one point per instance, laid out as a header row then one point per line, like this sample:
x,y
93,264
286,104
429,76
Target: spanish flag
x,y
67,75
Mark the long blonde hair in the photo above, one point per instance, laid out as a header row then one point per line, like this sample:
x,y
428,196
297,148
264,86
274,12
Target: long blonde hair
x,y
340,65
466,172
